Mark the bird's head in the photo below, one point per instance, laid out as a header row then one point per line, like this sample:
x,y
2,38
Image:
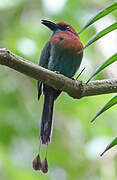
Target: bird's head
x,y
58,27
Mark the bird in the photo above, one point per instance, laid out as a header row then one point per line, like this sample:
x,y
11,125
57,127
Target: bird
x,y
62,54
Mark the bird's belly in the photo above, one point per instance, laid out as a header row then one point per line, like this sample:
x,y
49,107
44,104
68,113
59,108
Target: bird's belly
x,y
65,63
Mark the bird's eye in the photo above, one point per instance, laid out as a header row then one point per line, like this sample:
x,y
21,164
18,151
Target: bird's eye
x,y
68,28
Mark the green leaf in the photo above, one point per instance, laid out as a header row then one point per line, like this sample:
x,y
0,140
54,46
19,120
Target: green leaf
x,y
109,104
101,34
100,14
109,146
104,65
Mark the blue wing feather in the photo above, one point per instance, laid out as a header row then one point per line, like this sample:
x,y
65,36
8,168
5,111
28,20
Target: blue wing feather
x,y
44,59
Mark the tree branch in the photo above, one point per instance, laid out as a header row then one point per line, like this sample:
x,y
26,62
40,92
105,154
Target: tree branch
x,y
74,88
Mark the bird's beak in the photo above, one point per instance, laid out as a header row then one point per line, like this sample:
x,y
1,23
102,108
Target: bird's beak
x,y
50,24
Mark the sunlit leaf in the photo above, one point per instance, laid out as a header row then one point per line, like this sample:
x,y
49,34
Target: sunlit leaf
x,y
109,104
110,145
104,65
101,34
100,14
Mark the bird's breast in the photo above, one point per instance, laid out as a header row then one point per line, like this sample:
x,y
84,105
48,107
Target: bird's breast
x,y
67,41
65,54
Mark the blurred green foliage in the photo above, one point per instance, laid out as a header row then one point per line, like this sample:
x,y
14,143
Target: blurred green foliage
x,y
76,144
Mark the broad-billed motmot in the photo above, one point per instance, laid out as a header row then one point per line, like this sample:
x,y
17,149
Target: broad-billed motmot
x,y
62,54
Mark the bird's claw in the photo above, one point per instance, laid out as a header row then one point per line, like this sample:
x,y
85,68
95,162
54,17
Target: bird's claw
x,y
57,72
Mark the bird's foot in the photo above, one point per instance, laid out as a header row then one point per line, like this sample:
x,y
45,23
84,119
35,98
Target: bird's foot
x,y
57,72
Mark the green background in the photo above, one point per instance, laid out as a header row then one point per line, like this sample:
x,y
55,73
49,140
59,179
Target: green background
x,y
76,143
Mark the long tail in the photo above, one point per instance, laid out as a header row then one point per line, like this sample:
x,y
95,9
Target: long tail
x,y
46,120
